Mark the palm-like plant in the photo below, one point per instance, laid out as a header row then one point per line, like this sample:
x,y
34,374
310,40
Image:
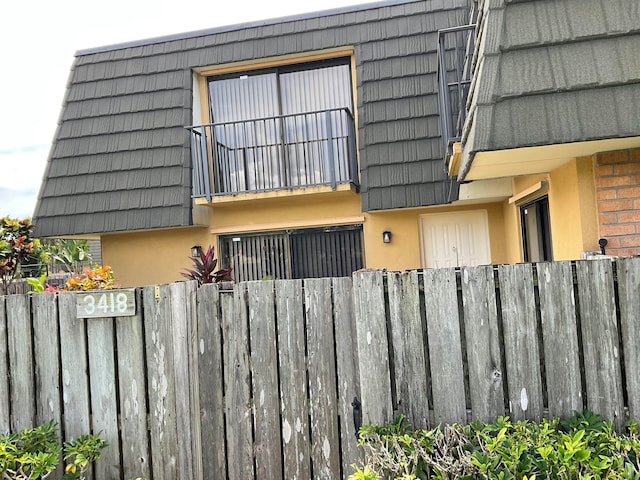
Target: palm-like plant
x,y
204,268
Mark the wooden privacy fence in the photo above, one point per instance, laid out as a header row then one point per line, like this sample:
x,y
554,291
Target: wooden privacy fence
x,y
255,380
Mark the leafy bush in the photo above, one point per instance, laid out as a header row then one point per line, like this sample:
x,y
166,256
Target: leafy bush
x,y
16,243
582,447
34,453
95,278
204,266
72,254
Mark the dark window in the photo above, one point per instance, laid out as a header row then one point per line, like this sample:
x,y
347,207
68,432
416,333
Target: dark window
x,y
304,253
536,231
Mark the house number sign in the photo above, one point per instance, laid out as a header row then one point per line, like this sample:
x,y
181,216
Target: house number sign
x,y
106,303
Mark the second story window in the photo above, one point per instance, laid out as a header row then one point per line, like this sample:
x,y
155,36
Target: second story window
x,y
286,127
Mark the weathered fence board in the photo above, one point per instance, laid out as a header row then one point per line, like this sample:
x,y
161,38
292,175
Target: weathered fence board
x,y
264,366
482,336
237,385
133,394
75,381
560,334
294,395
520,327
600,339
629,291
5,386
323,393
445,346
373,347
161,392
408,348
181,340
347,367
102,382
210,381
23,412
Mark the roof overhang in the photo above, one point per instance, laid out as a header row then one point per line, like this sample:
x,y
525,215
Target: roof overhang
x,y
539,159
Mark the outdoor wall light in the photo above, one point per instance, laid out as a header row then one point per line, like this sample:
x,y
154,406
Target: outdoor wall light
x,y
386,236
195,250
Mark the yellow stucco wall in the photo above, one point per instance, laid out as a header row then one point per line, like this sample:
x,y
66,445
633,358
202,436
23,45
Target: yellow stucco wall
x,y
403,253
153,257
572,211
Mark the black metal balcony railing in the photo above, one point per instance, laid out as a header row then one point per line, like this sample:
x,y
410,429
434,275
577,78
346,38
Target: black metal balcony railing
x,y
455,69
282,152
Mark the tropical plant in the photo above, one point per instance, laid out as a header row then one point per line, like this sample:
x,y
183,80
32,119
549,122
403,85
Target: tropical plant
x,y
15,244
72,254
35,263
34,453
204,268
582,447
94,278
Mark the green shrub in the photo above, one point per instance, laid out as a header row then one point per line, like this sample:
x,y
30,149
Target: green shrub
x,y
34,453
582,447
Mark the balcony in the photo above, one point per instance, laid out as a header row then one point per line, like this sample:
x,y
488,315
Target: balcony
x,y
455,69
274,153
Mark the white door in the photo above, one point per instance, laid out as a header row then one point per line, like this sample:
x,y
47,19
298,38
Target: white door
x,y
455,239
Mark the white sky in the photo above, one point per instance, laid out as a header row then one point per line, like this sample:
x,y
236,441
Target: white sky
x,y
38,40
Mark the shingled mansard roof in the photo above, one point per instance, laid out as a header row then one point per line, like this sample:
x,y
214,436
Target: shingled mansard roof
x,y
120,159
552,72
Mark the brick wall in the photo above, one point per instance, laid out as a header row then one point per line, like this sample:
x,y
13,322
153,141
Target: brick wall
x,y
617,177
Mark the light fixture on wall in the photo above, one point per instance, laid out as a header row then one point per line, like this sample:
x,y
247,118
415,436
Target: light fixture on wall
x,y
386,236
195,250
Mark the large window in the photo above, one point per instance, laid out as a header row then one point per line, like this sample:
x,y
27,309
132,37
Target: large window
x,y
284,127
536,230
303,253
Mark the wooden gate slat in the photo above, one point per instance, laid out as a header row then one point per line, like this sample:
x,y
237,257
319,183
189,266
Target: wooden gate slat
x,y
75,370
600,342
445,350
23,411
347,365
373,347
102,381
46,335
132,388
323,395
520,330
560,338
629,294
294,403
408,347
181,331
264,377
162,399
238,405
210,382
483,343
5,420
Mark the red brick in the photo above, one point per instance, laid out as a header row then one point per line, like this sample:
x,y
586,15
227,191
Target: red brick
x,y
635,155
607,158
628,217
604,182
630,241
627,168
612,242
604,170
617,230
635,179
636,204
609,218
632,192
615,205
608,194
624,252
